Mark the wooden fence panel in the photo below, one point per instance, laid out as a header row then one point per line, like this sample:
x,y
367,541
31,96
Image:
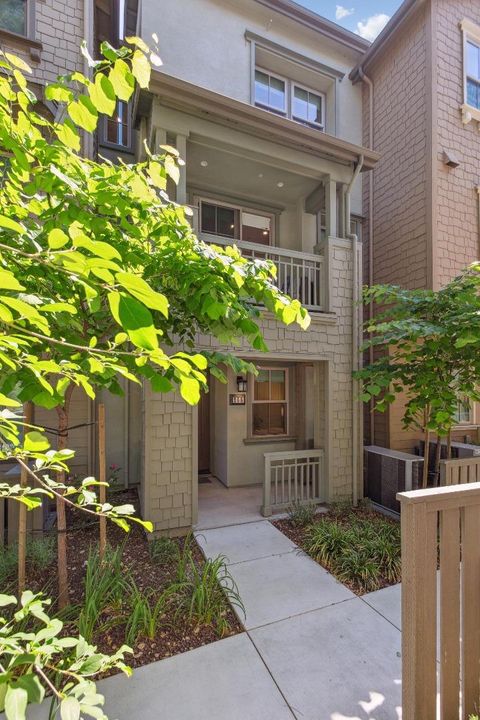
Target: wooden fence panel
x,y
441,537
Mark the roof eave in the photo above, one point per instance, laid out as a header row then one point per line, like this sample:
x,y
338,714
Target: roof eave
x,y
406,9
318,23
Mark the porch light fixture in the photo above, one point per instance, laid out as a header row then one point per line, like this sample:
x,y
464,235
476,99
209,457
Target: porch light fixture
x,y
241,384
280,184
204,163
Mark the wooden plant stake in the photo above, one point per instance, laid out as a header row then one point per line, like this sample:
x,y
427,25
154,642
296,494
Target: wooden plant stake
x,y
22,513
102,478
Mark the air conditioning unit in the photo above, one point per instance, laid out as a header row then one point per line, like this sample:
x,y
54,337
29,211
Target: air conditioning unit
x,y
388,472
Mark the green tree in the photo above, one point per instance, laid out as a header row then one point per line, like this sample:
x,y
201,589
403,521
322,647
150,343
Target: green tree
x,y
100,273
429,343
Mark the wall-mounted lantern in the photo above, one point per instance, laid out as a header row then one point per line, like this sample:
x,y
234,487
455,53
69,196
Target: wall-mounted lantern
x,y
241,384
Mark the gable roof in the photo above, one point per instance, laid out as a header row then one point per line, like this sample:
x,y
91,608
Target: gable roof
x,y
316,22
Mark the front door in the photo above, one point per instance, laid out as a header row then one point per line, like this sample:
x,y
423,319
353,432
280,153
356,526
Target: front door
x,y
204,433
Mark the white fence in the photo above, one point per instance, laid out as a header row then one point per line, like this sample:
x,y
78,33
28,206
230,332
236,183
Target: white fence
x,y
296,476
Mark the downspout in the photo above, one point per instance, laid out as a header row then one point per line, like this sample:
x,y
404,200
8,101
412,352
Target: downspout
x,y
88,36
356,325
368,82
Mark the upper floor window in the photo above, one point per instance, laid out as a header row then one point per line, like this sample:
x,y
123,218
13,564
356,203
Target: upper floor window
x,y
308,107
13,16
473,74
463,415
117,130
288,98
270,91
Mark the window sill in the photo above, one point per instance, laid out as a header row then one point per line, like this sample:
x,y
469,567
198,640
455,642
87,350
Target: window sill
x,y
469,113
12,38
268,439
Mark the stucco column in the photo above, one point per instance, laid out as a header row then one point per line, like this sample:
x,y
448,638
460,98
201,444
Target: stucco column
x,y
331,206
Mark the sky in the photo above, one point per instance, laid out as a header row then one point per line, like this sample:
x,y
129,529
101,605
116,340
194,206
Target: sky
x,y
365,17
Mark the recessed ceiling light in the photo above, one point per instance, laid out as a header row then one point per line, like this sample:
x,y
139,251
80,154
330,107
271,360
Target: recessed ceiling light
x,y
280,184
204,163
260,175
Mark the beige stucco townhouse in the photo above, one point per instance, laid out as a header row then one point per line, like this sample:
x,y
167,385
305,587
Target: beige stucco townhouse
x,y
421,90
255,95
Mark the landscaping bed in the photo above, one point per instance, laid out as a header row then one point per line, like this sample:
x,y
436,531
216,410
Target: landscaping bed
x,y
359,546
160,598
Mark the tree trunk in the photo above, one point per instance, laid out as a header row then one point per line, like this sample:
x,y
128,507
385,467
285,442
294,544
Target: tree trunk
x,y
426,452
63,416
102,478
438,455
22,512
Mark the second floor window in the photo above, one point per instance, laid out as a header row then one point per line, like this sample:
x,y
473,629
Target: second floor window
x,y
308,107
464,412
13,16
473,74
235,222
270,91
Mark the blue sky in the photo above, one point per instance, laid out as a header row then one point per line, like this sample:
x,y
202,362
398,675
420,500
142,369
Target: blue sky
x,y
366,17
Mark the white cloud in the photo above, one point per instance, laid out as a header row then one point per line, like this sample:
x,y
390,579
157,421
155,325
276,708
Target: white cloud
x,y
343,12
373,26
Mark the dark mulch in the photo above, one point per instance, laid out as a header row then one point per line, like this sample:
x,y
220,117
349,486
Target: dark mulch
x,y
176,636
298,536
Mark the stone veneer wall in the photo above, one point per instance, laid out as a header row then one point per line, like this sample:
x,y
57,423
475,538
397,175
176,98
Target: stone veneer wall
x,y
169,445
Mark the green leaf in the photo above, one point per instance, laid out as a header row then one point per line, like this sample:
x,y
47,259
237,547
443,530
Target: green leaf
x,y
18,62
138,42
8,402
190,390
135,319
58,93
8,281
58,307
137,287
67,133
10,224
35,442
83,113
31,684
57,239
141,68
70,709
102,94
7,600
122,80
16,700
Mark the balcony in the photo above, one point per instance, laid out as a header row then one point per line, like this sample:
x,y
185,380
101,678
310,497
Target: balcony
x,y
299,274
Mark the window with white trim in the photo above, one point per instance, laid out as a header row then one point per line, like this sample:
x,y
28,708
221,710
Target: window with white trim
x,y
270,91
270,402
308,107
14,16
287,97
472,79
117,128
464,413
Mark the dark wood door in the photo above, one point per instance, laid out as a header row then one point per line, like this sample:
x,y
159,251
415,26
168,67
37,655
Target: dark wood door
x,y
204,433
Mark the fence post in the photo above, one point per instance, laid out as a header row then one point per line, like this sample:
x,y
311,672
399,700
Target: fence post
x,y
267,487
419,608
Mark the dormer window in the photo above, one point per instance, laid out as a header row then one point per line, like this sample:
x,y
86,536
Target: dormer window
x,y
270,92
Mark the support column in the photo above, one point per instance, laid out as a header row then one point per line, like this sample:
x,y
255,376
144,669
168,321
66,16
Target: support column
x,y
342,230
181,144
331,207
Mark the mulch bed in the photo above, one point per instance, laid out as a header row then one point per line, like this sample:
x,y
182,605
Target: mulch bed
x,y
298,536
176,636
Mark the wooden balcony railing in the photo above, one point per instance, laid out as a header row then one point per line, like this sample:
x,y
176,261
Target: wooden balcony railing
x,y
299,274
441,602
296,476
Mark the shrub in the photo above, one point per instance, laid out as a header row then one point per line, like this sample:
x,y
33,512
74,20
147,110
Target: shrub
x,y
204,590
41,551
105,588
363,550
8,563
301,514
146,611
163,550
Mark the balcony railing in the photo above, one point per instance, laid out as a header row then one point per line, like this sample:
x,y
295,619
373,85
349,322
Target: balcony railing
x,y
299,274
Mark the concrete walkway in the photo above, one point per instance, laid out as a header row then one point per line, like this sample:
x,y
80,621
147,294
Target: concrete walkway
x,y
312,650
